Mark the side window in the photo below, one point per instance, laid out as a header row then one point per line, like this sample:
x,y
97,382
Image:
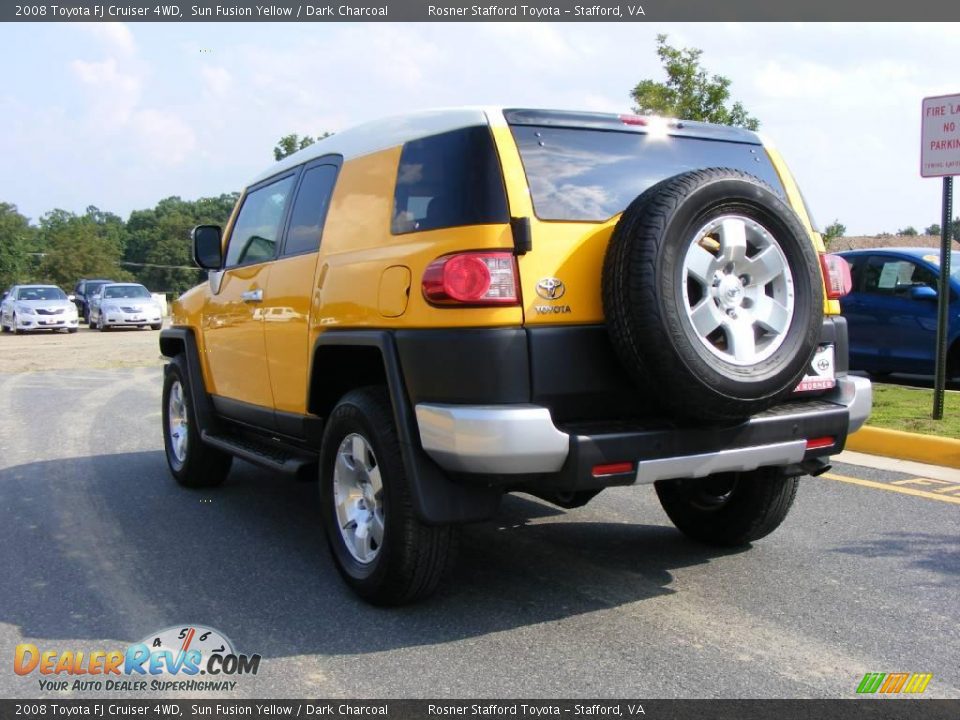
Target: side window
x,y
857,264
255,233
449,180
310,210
889,276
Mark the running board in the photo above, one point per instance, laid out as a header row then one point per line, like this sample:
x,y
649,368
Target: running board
x,y
272,456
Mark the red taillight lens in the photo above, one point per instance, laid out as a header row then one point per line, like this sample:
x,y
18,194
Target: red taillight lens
x,y
836,276
474,278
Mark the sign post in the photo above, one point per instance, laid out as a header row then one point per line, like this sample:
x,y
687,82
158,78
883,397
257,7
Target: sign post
x,y
940,157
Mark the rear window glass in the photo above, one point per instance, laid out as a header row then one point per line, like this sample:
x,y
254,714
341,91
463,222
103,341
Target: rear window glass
x,y
591,175
449,180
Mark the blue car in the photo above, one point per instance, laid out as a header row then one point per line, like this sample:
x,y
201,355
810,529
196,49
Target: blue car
x,y
892,310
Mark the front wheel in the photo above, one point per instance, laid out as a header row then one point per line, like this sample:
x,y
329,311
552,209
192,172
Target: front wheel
x,y
13,324
192,462
729,509
101,324
380,546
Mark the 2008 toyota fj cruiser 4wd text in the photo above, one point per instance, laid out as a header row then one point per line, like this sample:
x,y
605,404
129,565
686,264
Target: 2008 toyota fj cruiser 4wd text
x,y
432,310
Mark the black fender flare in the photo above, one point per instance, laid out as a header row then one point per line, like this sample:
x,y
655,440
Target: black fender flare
x,y
437,498
180,340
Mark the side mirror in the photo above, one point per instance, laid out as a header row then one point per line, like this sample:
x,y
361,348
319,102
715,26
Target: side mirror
x,y
71,297
923,292
207,249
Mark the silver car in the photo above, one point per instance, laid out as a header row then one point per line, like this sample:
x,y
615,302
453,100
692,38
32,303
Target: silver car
x,y
124,305
37,307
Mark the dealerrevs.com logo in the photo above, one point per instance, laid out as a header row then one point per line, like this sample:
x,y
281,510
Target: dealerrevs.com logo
x,y
170,660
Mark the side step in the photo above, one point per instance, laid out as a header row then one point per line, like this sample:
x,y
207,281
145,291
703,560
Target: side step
x,y
281,458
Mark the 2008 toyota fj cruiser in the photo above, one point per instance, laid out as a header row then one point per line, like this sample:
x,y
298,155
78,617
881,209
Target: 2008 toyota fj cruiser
x,y
431,310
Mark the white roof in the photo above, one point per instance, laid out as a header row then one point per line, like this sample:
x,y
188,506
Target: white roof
x,y
371,137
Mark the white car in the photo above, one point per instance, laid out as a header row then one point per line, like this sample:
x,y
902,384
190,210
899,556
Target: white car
x,y
124,305
37,307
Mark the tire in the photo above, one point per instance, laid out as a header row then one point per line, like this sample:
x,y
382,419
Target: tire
x,y
13,324
193,464
729,509
157,326
4,328
71,331
101,325
712,295
410,558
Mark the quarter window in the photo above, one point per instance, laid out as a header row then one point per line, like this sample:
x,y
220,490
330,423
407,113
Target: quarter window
x,y
255,233
310,210
449,180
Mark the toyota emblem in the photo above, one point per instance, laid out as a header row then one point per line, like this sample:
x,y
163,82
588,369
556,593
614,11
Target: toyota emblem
x,y
550,289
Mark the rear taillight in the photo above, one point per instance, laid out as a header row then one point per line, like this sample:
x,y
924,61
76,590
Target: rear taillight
x,y
472,278
836,275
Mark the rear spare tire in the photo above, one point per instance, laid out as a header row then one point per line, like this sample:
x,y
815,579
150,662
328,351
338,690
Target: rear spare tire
x,y
713,295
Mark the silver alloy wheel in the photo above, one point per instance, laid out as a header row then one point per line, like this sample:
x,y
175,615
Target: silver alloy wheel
x,y
177,421
738,290
358,498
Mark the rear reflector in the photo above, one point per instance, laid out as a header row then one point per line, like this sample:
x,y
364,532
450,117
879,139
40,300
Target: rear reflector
x,y
473,278
836,275
612,469
822,442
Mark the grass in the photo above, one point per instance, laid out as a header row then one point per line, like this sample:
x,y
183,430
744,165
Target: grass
x,y
905,408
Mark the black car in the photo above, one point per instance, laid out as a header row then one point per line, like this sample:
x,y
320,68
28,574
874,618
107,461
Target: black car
x,y
82,292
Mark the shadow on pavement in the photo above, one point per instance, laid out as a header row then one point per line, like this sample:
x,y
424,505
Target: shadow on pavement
x,y
110,547
936,552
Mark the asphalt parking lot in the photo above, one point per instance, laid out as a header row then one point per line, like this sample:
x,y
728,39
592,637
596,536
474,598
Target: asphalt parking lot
x,y
99,548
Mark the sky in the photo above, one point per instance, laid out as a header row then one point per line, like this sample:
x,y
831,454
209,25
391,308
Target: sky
x,y
122,115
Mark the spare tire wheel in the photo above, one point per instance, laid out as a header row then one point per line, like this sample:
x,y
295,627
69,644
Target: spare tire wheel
x,y
712,295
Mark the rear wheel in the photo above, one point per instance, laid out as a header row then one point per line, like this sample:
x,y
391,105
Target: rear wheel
x,y
729,509
380,546
192,462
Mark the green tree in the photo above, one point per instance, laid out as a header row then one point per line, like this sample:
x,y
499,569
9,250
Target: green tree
x,y
159,250
689,92
932,229
75,247
15,240
289,144
834,230
909,231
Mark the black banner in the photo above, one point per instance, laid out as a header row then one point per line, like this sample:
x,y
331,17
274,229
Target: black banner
x,y
876,709
484,11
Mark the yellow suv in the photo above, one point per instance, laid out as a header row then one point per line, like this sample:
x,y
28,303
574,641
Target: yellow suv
x,y
431,310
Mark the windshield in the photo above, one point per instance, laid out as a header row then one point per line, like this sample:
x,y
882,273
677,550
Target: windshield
x,y
590,175
934,259
126,291
41,293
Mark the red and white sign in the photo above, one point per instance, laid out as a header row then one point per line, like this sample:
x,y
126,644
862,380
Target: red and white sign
x,y
940,136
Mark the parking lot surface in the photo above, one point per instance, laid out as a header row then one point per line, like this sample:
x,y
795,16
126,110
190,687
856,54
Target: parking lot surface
x,y
100,548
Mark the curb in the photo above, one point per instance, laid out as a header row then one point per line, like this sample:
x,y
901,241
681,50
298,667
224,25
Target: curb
x,y
906,446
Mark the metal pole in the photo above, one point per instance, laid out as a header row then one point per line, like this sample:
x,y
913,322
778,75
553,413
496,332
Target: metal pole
x,y
943,304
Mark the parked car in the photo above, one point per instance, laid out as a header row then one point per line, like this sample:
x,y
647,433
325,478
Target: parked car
x,y
37,307
82,293
124,305
892,310
481,301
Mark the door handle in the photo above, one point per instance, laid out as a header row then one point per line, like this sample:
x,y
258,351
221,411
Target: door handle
x,y
252,296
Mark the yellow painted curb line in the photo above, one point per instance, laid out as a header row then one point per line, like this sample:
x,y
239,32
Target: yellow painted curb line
x,y
906,446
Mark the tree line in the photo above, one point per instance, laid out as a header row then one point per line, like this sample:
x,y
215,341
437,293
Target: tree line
x,y
151,247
